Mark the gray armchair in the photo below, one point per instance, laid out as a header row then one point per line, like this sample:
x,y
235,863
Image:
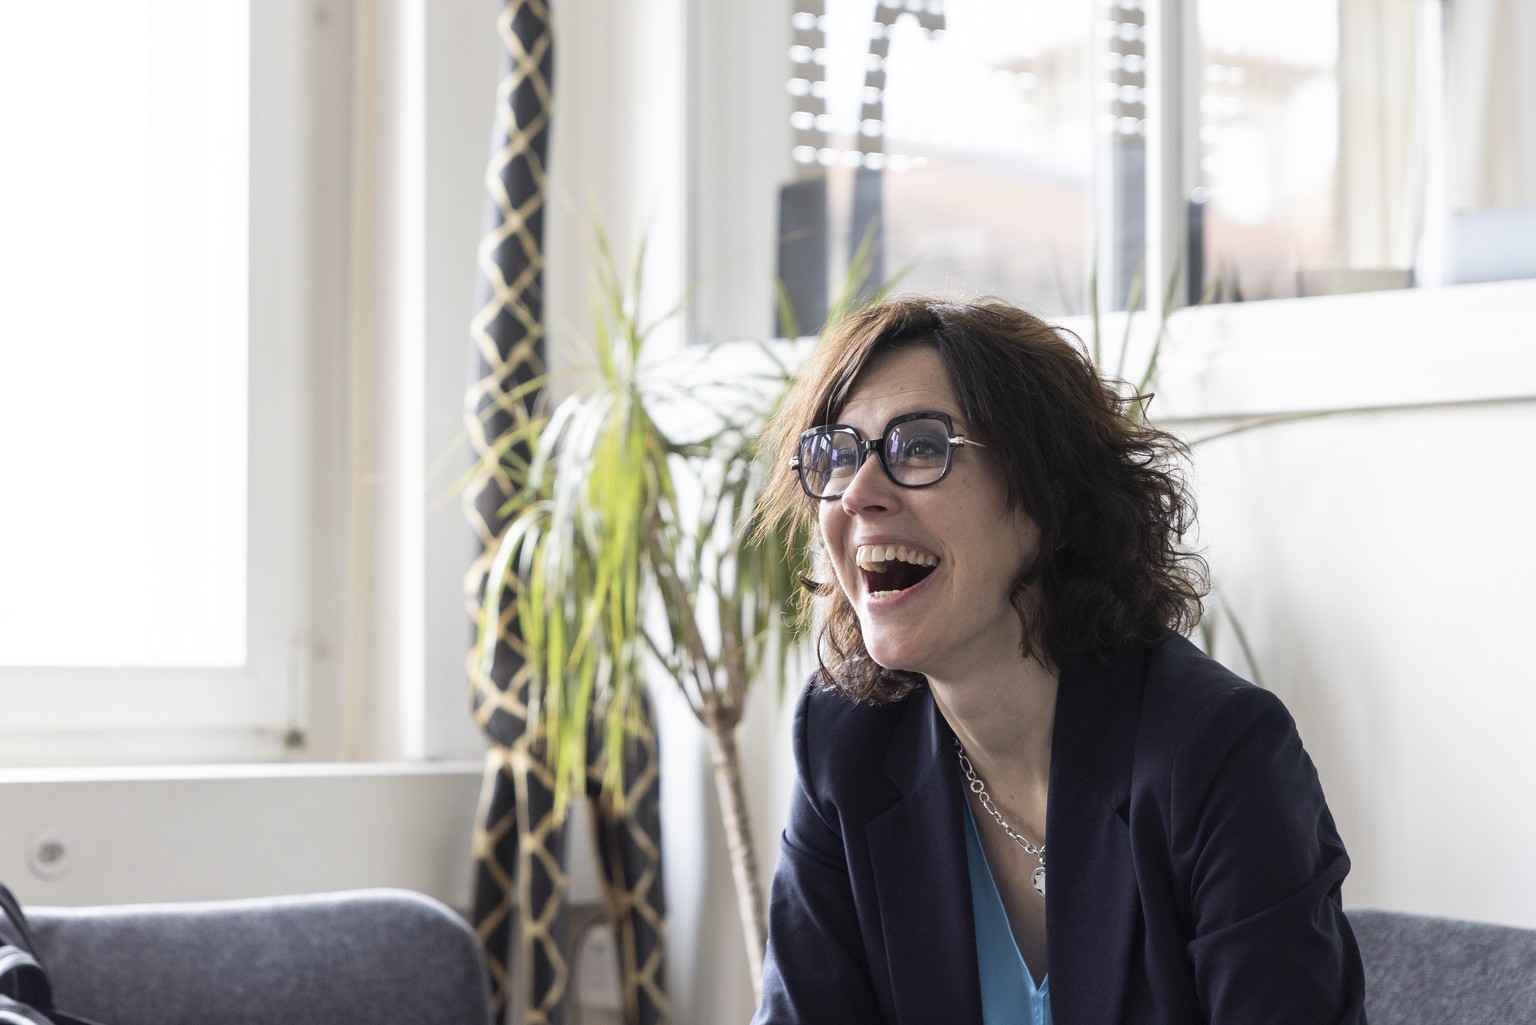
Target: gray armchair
x,y
392,957
1421,970
362,957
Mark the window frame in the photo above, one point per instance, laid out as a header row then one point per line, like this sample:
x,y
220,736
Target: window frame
x,y
67,714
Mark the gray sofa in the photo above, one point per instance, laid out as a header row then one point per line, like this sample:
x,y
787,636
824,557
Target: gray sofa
x,y
1440,971
362,957
391,957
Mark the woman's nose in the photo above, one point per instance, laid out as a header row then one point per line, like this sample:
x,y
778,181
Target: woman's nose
x,y
871,489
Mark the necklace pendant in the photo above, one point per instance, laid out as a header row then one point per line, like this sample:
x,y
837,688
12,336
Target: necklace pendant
x,y
1037,880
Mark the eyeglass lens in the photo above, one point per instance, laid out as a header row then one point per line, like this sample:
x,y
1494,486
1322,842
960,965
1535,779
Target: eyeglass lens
x,y
914,453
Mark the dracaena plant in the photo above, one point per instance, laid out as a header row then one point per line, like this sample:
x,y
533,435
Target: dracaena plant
x,y
628,548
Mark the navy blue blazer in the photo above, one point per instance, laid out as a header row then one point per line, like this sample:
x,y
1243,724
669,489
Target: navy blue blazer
x,y
1194,865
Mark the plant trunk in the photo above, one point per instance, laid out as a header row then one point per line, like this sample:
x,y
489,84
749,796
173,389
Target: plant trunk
x,y
726,763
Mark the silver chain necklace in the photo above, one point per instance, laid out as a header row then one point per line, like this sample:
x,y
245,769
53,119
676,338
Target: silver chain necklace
x,y
1037,880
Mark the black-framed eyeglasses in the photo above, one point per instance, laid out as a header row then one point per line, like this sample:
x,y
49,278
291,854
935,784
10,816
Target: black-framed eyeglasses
x,y
915,449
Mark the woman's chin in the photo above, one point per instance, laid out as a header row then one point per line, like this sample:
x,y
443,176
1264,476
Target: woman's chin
x,y
888,653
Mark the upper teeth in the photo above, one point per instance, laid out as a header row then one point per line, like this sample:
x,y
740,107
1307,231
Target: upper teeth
x,y
874,556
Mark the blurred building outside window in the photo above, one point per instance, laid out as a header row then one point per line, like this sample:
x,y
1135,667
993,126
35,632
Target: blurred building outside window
x,y
1002,147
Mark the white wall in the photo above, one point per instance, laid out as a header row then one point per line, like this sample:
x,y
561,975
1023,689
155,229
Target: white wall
x,y
1380,559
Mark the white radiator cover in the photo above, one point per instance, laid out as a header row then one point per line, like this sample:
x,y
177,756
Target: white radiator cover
x,y
99,836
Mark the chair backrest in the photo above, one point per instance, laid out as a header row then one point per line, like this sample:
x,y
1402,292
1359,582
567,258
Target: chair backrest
x,y
1421,970
361,957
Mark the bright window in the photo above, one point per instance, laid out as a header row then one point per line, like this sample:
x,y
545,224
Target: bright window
x,y
123,366
960,134
1315,141
1269,144
1002,147
151,436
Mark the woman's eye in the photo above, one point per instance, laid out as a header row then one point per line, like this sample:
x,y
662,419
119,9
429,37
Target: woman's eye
x,y
924,448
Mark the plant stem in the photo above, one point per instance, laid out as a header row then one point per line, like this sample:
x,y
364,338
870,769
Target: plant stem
x,y
720,723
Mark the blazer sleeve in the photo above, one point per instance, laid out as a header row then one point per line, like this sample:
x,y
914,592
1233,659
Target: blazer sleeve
x,y
1263,865
815,970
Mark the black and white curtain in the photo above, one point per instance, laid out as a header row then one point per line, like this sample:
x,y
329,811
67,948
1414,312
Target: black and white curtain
x,y
521,883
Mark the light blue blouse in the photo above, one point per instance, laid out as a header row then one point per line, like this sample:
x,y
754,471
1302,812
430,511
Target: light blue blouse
x,y
1008,992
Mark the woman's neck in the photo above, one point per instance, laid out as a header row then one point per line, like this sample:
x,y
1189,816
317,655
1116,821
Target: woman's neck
x,y
1004,720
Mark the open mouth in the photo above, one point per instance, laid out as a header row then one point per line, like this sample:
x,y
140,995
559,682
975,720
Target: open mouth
x,y
890,569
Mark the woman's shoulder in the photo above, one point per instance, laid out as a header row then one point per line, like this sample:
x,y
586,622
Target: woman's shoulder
x,y
1186,686
827,720
841,743
1199,719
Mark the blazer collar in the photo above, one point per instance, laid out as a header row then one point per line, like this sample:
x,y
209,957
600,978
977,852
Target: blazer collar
x,y
917,855
1092,906
1098,711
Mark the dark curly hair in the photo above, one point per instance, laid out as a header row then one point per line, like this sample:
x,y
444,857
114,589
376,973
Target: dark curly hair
x,y
1105,487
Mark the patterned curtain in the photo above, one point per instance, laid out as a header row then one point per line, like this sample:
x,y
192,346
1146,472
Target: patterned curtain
x,y
519,843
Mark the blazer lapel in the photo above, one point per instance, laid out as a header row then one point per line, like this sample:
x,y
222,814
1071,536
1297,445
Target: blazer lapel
x,y
1092,906
917,855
